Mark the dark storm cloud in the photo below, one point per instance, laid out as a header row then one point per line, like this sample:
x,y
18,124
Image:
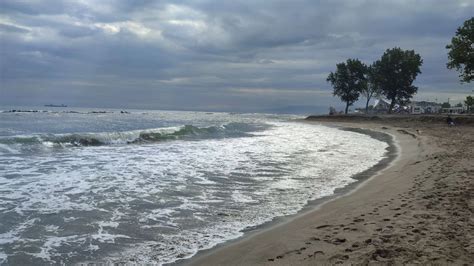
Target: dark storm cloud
x,y
216,55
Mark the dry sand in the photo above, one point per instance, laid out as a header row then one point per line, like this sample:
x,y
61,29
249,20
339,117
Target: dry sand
x,y
419,209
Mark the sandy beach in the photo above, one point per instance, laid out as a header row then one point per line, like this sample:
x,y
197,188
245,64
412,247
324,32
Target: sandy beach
x,y
418,209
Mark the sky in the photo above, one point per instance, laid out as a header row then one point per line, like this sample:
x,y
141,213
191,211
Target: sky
x,y
236,55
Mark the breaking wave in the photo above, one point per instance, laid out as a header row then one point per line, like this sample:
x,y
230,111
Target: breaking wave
x,y
186,132
164,201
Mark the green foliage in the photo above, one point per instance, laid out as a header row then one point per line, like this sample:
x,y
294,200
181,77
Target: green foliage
x,y
458,105
373,86
469,103
348,81
461,51
395,73
446,105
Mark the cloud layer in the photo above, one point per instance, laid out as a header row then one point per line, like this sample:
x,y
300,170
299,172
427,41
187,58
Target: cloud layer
x,y
213,55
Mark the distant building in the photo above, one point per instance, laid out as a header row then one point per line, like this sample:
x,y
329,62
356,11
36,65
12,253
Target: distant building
x,y
453,110
416,110
382,105
424,107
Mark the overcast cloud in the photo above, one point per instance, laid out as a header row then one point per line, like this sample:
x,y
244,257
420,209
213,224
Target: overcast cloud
x,y
214,55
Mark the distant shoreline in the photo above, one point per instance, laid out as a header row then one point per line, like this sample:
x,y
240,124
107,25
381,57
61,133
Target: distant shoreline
x,y
462,119
55,105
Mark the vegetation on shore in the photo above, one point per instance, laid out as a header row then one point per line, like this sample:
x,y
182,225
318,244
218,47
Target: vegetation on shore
x,y
392,76
461,51
349,80
394,73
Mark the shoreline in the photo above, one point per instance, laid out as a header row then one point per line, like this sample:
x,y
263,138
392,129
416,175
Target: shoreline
x,y
390,156
382,220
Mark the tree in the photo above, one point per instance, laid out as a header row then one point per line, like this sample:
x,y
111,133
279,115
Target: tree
x,y
348,81
396,71
372,88
469,103
461,54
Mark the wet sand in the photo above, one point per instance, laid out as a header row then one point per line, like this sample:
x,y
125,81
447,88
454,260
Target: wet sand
x,y
419,209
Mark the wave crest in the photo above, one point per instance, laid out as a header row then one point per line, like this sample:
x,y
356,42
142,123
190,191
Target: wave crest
x,y
186,132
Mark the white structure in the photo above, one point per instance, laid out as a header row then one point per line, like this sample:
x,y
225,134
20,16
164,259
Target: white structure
x,y
381,105
417,110
424,107
453,110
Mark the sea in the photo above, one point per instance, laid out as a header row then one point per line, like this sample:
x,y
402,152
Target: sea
x,y
108,186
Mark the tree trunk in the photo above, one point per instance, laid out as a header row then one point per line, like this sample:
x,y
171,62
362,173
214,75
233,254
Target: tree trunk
x,y
347,107
392,104
367,105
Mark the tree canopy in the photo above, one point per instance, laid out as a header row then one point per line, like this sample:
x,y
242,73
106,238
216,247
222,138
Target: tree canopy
x,y
461,51
373,86
396,71
469,103
348,81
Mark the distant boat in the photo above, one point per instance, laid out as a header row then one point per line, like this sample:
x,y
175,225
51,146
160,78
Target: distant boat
x,y
55,105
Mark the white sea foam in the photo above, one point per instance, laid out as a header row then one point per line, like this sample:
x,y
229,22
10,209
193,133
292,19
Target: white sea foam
x,y
237,196
4,148
3,258
163,202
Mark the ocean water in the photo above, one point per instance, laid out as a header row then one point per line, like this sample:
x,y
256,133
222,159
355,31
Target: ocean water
x,y
158,186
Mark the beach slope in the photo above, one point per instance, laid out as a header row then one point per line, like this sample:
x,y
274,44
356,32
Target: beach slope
x,y
419,209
